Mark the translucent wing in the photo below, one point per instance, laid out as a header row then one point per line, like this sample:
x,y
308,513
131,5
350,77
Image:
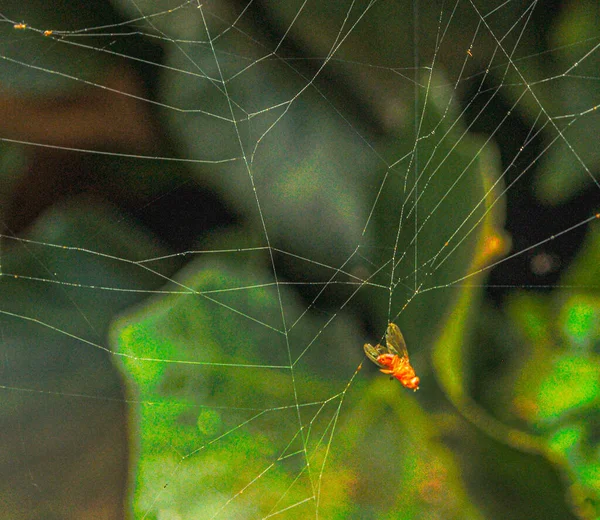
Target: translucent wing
x,y
373,352
395,341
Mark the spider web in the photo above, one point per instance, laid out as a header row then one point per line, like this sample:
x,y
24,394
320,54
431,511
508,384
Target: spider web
x,y
331,150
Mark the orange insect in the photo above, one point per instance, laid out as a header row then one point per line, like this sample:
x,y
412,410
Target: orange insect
x,y
20,26
393,358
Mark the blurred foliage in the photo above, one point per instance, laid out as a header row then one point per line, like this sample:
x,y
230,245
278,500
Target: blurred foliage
x,y
226,361
568,169
181,354
62,403
556,92
553,389
545,397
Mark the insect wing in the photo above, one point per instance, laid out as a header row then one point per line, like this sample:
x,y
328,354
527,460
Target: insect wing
x,y
373,352
395,341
